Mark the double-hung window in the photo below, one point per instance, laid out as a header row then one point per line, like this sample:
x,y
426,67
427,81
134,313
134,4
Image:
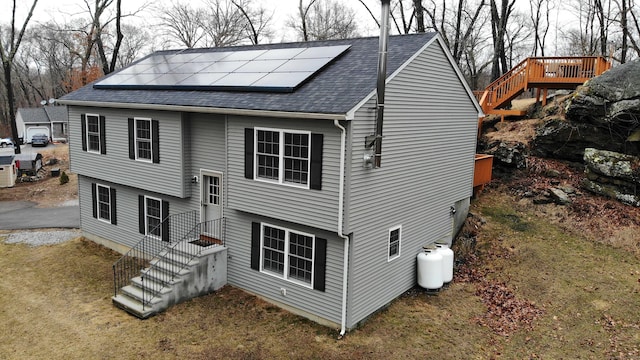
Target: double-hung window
x,y
289,254
395,236
93,133
153,217
283,156
291,157
143,139
104,203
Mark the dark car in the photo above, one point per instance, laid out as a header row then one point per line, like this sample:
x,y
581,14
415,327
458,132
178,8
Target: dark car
x,y
40,140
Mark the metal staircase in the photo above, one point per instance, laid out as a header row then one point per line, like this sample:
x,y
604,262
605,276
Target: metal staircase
x,y
156,274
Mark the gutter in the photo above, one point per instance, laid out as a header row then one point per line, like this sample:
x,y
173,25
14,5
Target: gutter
x,y
208,110
343,325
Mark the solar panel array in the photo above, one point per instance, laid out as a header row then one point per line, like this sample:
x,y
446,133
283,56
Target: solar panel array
x,y
281,70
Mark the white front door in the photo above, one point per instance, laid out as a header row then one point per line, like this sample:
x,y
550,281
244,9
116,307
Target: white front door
x,y
211,200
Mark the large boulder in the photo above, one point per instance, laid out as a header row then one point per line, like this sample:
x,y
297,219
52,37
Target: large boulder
x,y
612,174
508,153
604,113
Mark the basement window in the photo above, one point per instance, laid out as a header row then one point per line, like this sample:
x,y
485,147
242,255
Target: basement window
x,y
395,235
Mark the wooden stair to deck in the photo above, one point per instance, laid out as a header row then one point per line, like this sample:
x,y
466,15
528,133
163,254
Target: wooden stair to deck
x,y
542,73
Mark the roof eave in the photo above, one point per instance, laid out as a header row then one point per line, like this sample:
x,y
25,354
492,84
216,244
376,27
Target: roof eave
x,y
208,110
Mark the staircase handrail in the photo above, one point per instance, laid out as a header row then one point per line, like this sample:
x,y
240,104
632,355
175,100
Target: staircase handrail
x,y
215,229
138,257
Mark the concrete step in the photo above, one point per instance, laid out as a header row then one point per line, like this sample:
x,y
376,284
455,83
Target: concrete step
x,y
186,248
136,293
151,284
176,257
159,276
133,306
169,267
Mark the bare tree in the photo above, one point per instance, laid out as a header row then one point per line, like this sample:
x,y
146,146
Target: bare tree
x,y
499,21
223,23
539,15
324,20
257,20
182,24
8,51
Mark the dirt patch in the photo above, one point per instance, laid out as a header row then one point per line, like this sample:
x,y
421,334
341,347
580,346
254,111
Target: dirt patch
x,y
46,192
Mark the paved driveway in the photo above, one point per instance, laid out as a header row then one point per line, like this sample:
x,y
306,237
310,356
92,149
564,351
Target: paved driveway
x,y
15,215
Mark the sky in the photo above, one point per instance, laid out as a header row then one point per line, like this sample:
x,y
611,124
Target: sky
x,y
59,9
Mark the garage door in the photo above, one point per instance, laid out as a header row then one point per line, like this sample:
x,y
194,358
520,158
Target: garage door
x,y
33,130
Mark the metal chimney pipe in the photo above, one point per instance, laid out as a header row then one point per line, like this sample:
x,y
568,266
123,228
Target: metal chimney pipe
x,y
382,77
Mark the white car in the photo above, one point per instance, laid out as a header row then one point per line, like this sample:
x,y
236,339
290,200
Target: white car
x,y
6,142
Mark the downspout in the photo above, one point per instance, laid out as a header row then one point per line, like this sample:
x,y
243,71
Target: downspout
x,y
382,78
343,327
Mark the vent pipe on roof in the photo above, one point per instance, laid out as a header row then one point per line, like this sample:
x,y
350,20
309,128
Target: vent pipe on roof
x,y
382,78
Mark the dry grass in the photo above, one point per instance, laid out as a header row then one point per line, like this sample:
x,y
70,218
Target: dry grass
x,y
48,191
55,303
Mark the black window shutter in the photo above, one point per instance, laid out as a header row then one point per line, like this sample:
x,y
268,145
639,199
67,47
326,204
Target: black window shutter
x,y
320,264
316,162
255,246
248,153
94,199
83,125
155,140
165,221
114,219
132,139
103,136
141,220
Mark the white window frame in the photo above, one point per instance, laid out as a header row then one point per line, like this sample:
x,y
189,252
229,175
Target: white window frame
x,y
136,139
285,273
281,158
86,134
98,186
146,216
399,241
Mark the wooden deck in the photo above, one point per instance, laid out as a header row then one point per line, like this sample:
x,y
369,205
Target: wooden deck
x,y
541,73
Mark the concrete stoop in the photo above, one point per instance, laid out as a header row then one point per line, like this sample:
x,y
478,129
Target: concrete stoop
x,y
191,277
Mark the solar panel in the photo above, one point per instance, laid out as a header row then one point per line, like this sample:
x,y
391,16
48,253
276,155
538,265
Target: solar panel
x,y
281,70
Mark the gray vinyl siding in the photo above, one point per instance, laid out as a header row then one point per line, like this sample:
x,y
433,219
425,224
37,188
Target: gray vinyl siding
x,y
326,305
207,141
167,177
316,208
126,232
427,165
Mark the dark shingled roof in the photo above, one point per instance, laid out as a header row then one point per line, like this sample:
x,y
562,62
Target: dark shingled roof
x,y
336,89
44,115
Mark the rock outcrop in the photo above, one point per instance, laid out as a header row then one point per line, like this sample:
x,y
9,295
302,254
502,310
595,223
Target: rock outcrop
x,y
613,174
604,114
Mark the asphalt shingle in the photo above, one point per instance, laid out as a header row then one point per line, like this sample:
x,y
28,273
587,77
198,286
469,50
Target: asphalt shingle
x,y
334,90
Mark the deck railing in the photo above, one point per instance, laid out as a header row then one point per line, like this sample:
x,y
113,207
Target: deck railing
x,y
138,257
541,72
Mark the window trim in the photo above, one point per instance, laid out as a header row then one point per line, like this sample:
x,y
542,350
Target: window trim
x,y
86,134
146,217
281,157
98,186
285,275
136,138
395,256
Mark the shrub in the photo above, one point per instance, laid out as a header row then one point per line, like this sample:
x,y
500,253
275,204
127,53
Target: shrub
x,y
64,178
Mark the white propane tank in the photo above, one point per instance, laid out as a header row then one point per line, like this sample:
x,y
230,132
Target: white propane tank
x,y
447,261
430,268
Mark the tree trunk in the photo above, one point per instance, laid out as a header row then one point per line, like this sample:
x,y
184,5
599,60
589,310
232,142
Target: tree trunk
x,y
11,101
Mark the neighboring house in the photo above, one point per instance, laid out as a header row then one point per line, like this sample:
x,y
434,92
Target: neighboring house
x,y
49,120
276,149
